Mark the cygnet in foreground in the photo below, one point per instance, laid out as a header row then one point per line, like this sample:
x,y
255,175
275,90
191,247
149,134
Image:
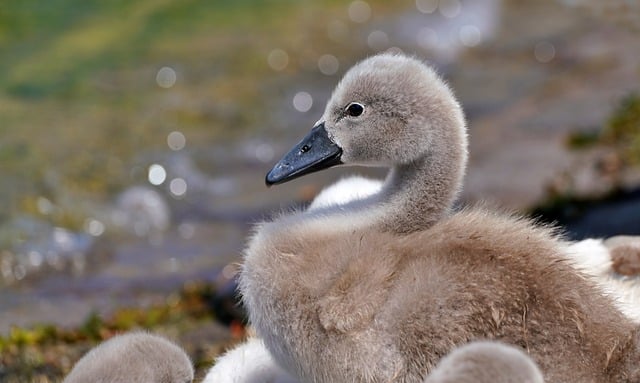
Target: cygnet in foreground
x,y
136,357
486,362
381,288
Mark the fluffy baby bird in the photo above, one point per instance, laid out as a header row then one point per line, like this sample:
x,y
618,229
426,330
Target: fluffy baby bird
x,y
486,362
381,288
136,357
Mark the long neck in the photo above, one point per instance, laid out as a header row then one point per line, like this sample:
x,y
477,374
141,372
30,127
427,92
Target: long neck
x,y
418,194
413,197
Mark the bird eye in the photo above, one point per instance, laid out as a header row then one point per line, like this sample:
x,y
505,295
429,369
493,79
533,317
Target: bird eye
x,y
354,109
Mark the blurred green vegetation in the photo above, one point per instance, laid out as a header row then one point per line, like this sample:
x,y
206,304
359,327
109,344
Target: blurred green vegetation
x,y
79,102
58,47
621,131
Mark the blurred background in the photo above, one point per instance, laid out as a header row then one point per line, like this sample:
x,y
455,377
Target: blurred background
x,y
136,136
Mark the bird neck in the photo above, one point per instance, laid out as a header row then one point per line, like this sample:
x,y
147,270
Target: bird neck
x,y
420,193
414,196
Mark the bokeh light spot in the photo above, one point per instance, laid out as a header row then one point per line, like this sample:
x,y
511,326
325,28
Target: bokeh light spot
x,y
45,206
166,77
178,187
230,271
278,59
377,40
427,6
63,238
337,30
544,51
450,8
328,64
157,175
359,11
35,258
186,230
302,101
265,153
176,140
427,38
470,35
94,227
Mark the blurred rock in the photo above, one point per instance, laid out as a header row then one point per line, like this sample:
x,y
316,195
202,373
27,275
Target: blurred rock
x,y
141,210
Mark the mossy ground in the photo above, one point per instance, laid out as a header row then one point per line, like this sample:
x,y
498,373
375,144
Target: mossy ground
x,y
46,353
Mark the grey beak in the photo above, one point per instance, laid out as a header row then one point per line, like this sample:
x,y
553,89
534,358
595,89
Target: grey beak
x,y
315,152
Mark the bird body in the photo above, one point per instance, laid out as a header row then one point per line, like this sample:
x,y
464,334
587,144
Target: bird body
x,y
391,309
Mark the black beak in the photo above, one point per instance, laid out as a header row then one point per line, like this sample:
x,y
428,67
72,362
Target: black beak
x,y
315,152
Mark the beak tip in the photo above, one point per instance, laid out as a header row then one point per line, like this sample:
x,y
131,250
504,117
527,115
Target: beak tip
x,y
269,180
315,152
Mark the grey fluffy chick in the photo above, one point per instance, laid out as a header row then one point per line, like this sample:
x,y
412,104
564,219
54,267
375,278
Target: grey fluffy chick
x,y
380,289
486,362
133,358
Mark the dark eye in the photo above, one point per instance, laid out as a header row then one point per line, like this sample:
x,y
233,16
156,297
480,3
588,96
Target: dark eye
x,y
354,109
